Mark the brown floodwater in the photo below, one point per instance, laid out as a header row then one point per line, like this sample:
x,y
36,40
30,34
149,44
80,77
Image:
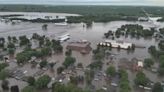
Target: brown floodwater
x,y
93,34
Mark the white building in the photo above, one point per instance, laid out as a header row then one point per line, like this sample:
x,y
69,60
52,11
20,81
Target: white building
x,y
115,44
64,37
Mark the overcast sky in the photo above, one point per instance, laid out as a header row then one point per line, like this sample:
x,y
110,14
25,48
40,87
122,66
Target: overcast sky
x,y
98,2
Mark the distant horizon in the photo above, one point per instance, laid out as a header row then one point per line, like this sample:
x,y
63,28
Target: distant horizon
x,y
87,2
84,4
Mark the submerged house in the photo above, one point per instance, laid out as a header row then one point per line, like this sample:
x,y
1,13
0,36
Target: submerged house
x,y
81,46
137,64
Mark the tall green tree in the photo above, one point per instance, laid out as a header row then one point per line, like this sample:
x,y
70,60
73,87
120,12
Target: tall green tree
x,y
31,81
141,79
111,71
69,61
42,81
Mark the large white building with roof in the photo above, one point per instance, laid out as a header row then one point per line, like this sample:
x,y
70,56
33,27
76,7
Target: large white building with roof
x,y
116,44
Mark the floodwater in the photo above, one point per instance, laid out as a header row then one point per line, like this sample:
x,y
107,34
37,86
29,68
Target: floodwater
x,y
38,14
78,32
93,34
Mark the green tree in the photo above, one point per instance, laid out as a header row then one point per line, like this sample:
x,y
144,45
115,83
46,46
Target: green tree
x,y
74,80
22,57
80,65
96,65
11,48
69,61
43,64
3,74
60,70
5,85
68,52
161,45
57,47
35,36
148,62
124,82
46,51
44,26
14,39
111,71
24,41
47,42
10,45
57,87
2,42
3,66
41,41
9,38
161,71
52,64
133,47
153,51
141,79
29,89
11,51
89,75
31,81
42,81
157,87
161,65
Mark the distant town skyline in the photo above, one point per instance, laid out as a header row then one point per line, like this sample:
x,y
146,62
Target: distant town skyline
x,y
86,2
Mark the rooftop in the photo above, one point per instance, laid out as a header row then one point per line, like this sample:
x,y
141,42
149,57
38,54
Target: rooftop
x,y
79,44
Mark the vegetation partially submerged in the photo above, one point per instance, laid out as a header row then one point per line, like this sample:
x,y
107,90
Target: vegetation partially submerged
x,y
133,30
90,13
39,20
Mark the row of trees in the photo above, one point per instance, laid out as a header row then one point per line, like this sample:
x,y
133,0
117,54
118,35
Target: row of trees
x,y
158,55
10,46
34,85
46,48
45,42
98,56
124,82
134,30
99,18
